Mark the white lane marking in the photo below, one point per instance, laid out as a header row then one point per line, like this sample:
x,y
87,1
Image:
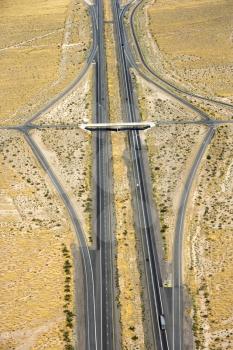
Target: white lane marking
x,y
100,264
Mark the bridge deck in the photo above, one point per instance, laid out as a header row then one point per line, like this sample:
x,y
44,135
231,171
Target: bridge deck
x,y
117,126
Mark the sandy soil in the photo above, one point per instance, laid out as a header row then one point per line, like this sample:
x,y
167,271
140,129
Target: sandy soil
x,y
208,246
112,75
41,51
33,227
74,108
193,42
156,105
70,154
188,42
184,43
129,299
171,150
107,10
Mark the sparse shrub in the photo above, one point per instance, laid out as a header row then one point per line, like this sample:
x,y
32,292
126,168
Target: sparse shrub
x,y
135,337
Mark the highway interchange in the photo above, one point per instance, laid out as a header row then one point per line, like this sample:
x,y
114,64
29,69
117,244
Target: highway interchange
x,y
101,322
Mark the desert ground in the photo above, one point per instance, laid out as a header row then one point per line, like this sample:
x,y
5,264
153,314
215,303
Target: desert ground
x,y
128,275
35,247
34,223
41,51
194,40
156,105
74,108
72,152
208,246
171,150
184,42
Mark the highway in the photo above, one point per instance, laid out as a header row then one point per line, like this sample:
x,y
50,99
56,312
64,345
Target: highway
x,y
99,272
145,222
98,264
104,257
91,335
177,290
100,333
90,302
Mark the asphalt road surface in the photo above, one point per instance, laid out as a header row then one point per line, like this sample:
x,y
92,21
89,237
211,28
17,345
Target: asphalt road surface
x,y
104,229
146,225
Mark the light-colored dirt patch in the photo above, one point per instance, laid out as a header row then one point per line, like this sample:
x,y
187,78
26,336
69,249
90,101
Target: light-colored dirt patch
x,y
208,246
32,275
129,298
124,2
41,51
171,150
51,338
112,75
165,32
31,337
70,154
74,108
107,10
114,100
156,105
194,41
8,211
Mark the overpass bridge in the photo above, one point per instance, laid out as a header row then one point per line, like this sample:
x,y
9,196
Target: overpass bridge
x,y
117,126
86,126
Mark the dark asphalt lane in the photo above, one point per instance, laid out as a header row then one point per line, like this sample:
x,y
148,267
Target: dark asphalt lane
x,y
104,229
146,227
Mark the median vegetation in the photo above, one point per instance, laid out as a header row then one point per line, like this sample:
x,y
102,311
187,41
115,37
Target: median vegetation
x,y
68,306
